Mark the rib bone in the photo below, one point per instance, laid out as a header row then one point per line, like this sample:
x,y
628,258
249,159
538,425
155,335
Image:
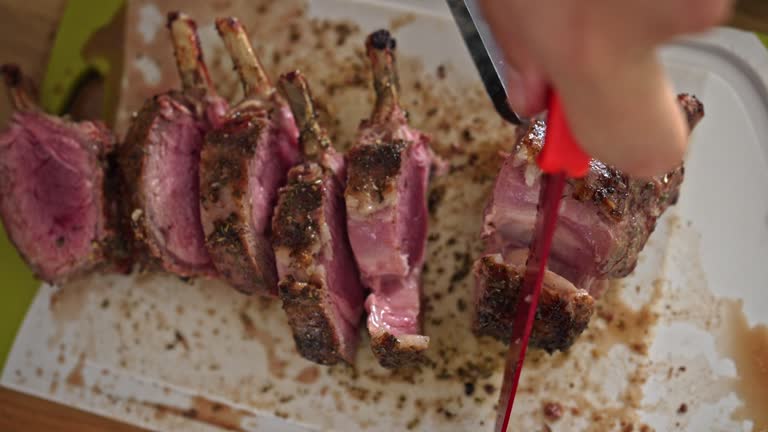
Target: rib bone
x,y
313,138
189,56
380,48
256,84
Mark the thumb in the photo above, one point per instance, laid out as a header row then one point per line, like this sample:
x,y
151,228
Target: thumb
x,y
626,116
527,91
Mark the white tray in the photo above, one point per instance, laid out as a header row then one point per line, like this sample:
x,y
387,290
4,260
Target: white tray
x,y
157,352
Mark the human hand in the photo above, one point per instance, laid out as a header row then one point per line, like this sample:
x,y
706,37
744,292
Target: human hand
x,y
600,57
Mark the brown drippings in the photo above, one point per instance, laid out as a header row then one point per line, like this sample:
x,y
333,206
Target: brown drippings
x,y
54,383
75,376
206,411
621,324
308,375
275,364
748,347
68,301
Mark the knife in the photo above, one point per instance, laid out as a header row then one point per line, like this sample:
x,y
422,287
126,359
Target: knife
x,y
485,54
560,157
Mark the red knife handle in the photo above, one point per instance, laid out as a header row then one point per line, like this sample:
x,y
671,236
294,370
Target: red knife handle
x,y
561,152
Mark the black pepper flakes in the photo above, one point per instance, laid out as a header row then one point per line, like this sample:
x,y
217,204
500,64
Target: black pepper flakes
x,y
434,199
413,424
466,135
469,388
461,305
441,72
463,266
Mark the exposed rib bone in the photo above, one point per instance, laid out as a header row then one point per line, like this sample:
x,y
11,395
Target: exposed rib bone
x,y
313,138
19,96
380,47
255,81
189,56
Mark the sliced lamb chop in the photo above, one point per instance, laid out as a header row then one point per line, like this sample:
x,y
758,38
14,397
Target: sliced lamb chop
x,y
562,315
53,188
388,171
244,161
319,283
605,221
160,159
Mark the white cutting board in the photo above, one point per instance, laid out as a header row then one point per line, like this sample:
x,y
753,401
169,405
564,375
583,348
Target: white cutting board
x,y
169,355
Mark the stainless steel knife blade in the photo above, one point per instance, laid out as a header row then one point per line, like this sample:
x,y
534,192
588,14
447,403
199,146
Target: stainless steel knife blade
x,y
486,55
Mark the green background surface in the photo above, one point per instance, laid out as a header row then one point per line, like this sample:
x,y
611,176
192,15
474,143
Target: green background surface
x,y
18,289
66,66
18,286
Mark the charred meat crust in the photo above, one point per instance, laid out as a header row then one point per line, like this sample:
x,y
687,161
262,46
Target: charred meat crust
x,y
229,148
118,247
308,308
612,192
372,169
692,107
224,179
620,199
297,215
115,246
382,39
560,317
296,227
394,353
615,194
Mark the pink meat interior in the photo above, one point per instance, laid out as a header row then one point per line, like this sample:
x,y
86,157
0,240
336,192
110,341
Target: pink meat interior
x,y
172,187
394,305
342,278
50,193
269,166
581,240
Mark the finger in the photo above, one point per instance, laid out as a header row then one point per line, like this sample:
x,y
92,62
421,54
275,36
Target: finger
x,y
526,84
668,18
527,91
626,116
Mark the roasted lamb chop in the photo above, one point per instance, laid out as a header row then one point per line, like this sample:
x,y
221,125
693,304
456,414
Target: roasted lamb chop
x,y
160,158
244,162
319,282
388,172
605,221
53,188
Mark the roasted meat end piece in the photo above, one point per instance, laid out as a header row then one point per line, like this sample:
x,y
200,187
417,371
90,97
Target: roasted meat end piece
x,y
319,282
54,197
388,171
159,162
562,315
605,219
244,161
